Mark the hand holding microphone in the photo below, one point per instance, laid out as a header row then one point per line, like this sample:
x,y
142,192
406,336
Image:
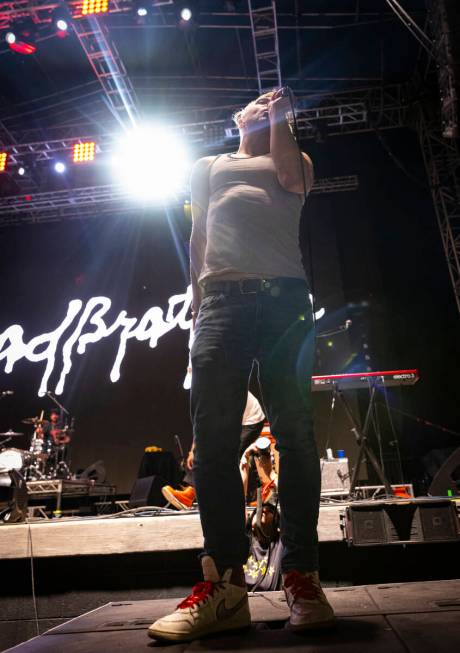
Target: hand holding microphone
x,y
281,102
285,91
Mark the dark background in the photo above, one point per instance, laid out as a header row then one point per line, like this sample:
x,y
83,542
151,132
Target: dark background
x,y
377,259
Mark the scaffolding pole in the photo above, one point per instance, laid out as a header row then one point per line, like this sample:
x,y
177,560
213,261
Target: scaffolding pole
x,y
265,39
442,164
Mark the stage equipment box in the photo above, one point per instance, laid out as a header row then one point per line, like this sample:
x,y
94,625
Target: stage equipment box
x,y
401,521
335,476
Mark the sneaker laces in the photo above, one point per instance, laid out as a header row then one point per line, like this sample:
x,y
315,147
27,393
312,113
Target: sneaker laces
x,y
302,586
200,593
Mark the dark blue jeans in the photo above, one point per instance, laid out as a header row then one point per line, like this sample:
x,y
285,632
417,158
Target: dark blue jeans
x,y
233,331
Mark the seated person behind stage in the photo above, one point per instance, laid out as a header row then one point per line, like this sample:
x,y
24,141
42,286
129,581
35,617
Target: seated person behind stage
x,y
265,458
252,424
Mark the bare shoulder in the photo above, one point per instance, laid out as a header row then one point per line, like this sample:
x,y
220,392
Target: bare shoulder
x,y
201,166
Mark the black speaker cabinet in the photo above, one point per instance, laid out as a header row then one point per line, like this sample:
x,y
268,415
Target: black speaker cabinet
x,y
447,477
147,492
401,522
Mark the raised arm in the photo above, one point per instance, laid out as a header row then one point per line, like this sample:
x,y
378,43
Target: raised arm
x,y
285,151
199,185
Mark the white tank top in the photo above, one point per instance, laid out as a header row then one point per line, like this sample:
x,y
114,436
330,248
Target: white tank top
x,y
253,413
252,225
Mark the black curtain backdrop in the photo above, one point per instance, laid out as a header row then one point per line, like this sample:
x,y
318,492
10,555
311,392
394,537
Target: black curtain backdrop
x,y
377,260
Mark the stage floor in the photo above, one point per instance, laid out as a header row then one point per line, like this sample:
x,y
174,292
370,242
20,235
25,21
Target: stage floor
x,y
119,534
393,618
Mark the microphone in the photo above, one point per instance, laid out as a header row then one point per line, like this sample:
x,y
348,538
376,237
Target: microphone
x,y
285,91
4,393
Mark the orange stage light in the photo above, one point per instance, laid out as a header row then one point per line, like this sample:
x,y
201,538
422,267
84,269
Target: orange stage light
x,y
3,160
83,152
94,7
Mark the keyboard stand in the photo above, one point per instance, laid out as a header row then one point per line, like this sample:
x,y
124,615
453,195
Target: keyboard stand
x,y
362,441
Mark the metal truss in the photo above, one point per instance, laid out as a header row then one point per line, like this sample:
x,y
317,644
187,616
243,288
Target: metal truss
x,y
40,11
99,200
416,31
108,67
323,115
97,44
265,39
444,57
355,111
442,164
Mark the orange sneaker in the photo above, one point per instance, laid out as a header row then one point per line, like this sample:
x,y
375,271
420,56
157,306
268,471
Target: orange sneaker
x,y
180,499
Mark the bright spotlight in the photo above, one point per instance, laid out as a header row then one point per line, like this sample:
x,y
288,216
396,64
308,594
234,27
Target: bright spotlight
x,y
59,167
3,161
61,19
186,14
90,7
10,37
142,11
83,152
151,163
21,171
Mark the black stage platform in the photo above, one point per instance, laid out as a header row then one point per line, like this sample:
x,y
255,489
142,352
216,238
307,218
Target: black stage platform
x,y
394,618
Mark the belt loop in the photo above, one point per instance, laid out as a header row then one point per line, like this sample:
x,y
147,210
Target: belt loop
x,y
241,283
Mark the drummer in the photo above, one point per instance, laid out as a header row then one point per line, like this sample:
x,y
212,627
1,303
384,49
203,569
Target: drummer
x,y
52,431
56,429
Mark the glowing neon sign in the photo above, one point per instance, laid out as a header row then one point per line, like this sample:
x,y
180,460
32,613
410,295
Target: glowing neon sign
x,y
89,325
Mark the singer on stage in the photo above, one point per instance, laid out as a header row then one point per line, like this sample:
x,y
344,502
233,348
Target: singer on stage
x,y
251,305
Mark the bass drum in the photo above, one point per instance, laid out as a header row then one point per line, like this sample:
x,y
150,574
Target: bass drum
x,y
13,459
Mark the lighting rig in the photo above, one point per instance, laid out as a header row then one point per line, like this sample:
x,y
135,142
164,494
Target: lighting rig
x,y
364,109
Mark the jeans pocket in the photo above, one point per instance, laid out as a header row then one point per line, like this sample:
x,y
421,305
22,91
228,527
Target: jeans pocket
x,y
211,300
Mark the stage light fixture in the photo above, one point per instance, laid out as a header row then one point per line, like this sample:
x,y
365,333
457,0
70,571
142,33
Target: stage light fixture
x,y
141,10
84,152
187,13
62,25
21,171
21,38
3,161
61,18
91,7
151,163
60,167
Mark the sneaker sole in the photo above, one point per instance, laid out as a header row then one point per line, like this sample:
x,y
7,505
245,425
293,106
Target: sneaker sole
x,y
318,625
172,499
219,627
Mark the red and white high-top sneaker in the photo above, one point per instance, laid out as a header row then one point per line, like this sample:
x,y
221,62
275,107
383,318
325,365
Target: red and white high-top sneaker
x,y
219,603
307,602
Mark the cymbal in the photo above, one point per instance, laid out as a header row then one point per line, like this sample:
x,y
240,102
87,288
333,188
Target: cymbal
x,y
35,421
10,434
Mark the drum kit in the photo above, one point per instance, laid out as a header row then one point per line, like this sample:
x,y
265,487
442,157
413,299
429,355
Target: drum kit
x,y
46,458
